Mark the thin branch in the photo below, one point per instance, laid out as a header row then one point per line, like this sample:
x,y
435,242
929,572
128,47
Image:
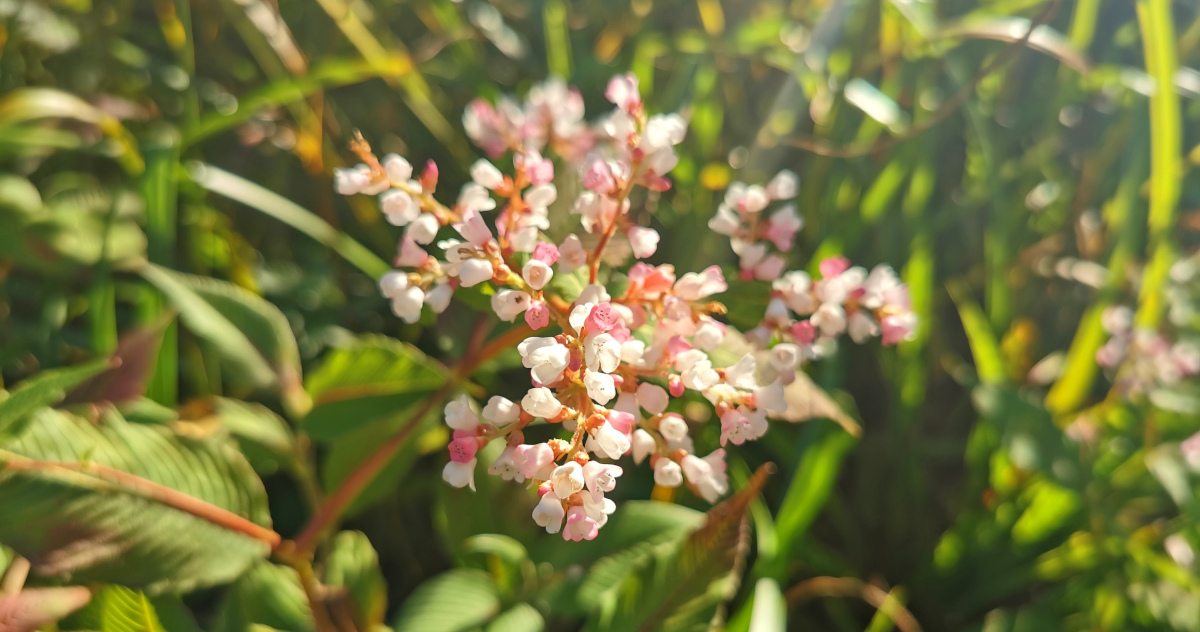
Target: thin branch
x,y
826,148
337,502
852,587
153,491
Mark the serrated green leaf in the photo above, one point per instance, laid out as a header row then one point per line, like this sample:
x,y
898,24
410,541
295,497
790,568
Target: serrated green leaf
x,y
58,504
353,564
116,609
457,600
368,380
45,389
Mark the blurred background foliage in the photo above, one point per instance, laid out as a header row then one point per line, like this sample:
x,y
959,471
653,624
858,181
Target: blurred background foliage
x,y
1025,163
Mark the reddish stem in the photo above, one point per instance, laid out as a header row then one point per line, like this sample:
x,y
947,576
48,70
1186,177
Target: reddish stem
x,y
362,476
155,492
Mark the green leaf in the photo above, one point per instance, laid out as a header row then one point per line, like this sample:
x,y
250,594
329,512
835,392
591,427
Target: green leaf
x,y
455,601
248,331
45,389
33,608
989,361
372,378
824,448
267,595
519,618
263,437
117,609
207,322
677,584
266,327
353,564
61,498
241,190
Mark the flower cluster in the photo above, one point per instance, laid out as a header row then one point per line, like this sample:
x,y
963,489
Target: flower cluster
x,y
1141,360
609,362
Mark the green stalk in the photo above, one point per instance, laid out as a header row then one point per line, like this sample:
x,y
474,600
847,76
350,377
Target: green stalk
x,y
1166,169
159,190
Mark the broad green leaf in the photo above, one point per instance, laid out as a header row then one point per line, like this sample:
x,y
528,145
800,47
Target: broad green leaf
x,y
354,565
264,438
207,322
455,601
501,546
265,326
69,486
45,389
33,608
249,332
268,595
117,609
372,378
519,618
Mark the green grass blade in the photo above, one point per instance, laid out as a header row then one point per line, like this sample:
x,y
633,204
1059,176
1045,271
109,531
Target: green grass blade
x,y
257,197
1166,169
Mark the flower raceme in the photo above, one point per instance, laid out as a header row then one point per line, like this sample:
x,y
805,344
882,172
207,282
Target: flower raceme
x,y
605,365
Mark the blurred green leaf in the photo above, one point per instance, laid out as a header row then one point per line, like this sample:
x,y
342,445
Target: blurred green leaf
x,y
371,378
353,564
455,601
268,595
519,618
117,609
45,389
208,322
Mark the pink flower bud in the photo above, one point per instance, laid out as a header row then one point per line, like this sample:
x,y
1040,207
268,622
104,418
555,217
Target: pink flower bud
x,y
429,178
539,170
599,177
677,345
538,315
675,386
834,266
546,253
463,450
804,332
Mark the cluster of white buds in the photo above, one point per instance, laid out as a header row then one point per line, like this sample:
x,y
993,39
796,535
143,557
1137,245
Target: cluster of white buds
x,y
612,363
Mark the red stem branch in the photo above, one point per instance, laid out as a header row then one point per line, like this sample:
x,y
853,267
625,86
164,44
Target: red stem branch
x,y
155,492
